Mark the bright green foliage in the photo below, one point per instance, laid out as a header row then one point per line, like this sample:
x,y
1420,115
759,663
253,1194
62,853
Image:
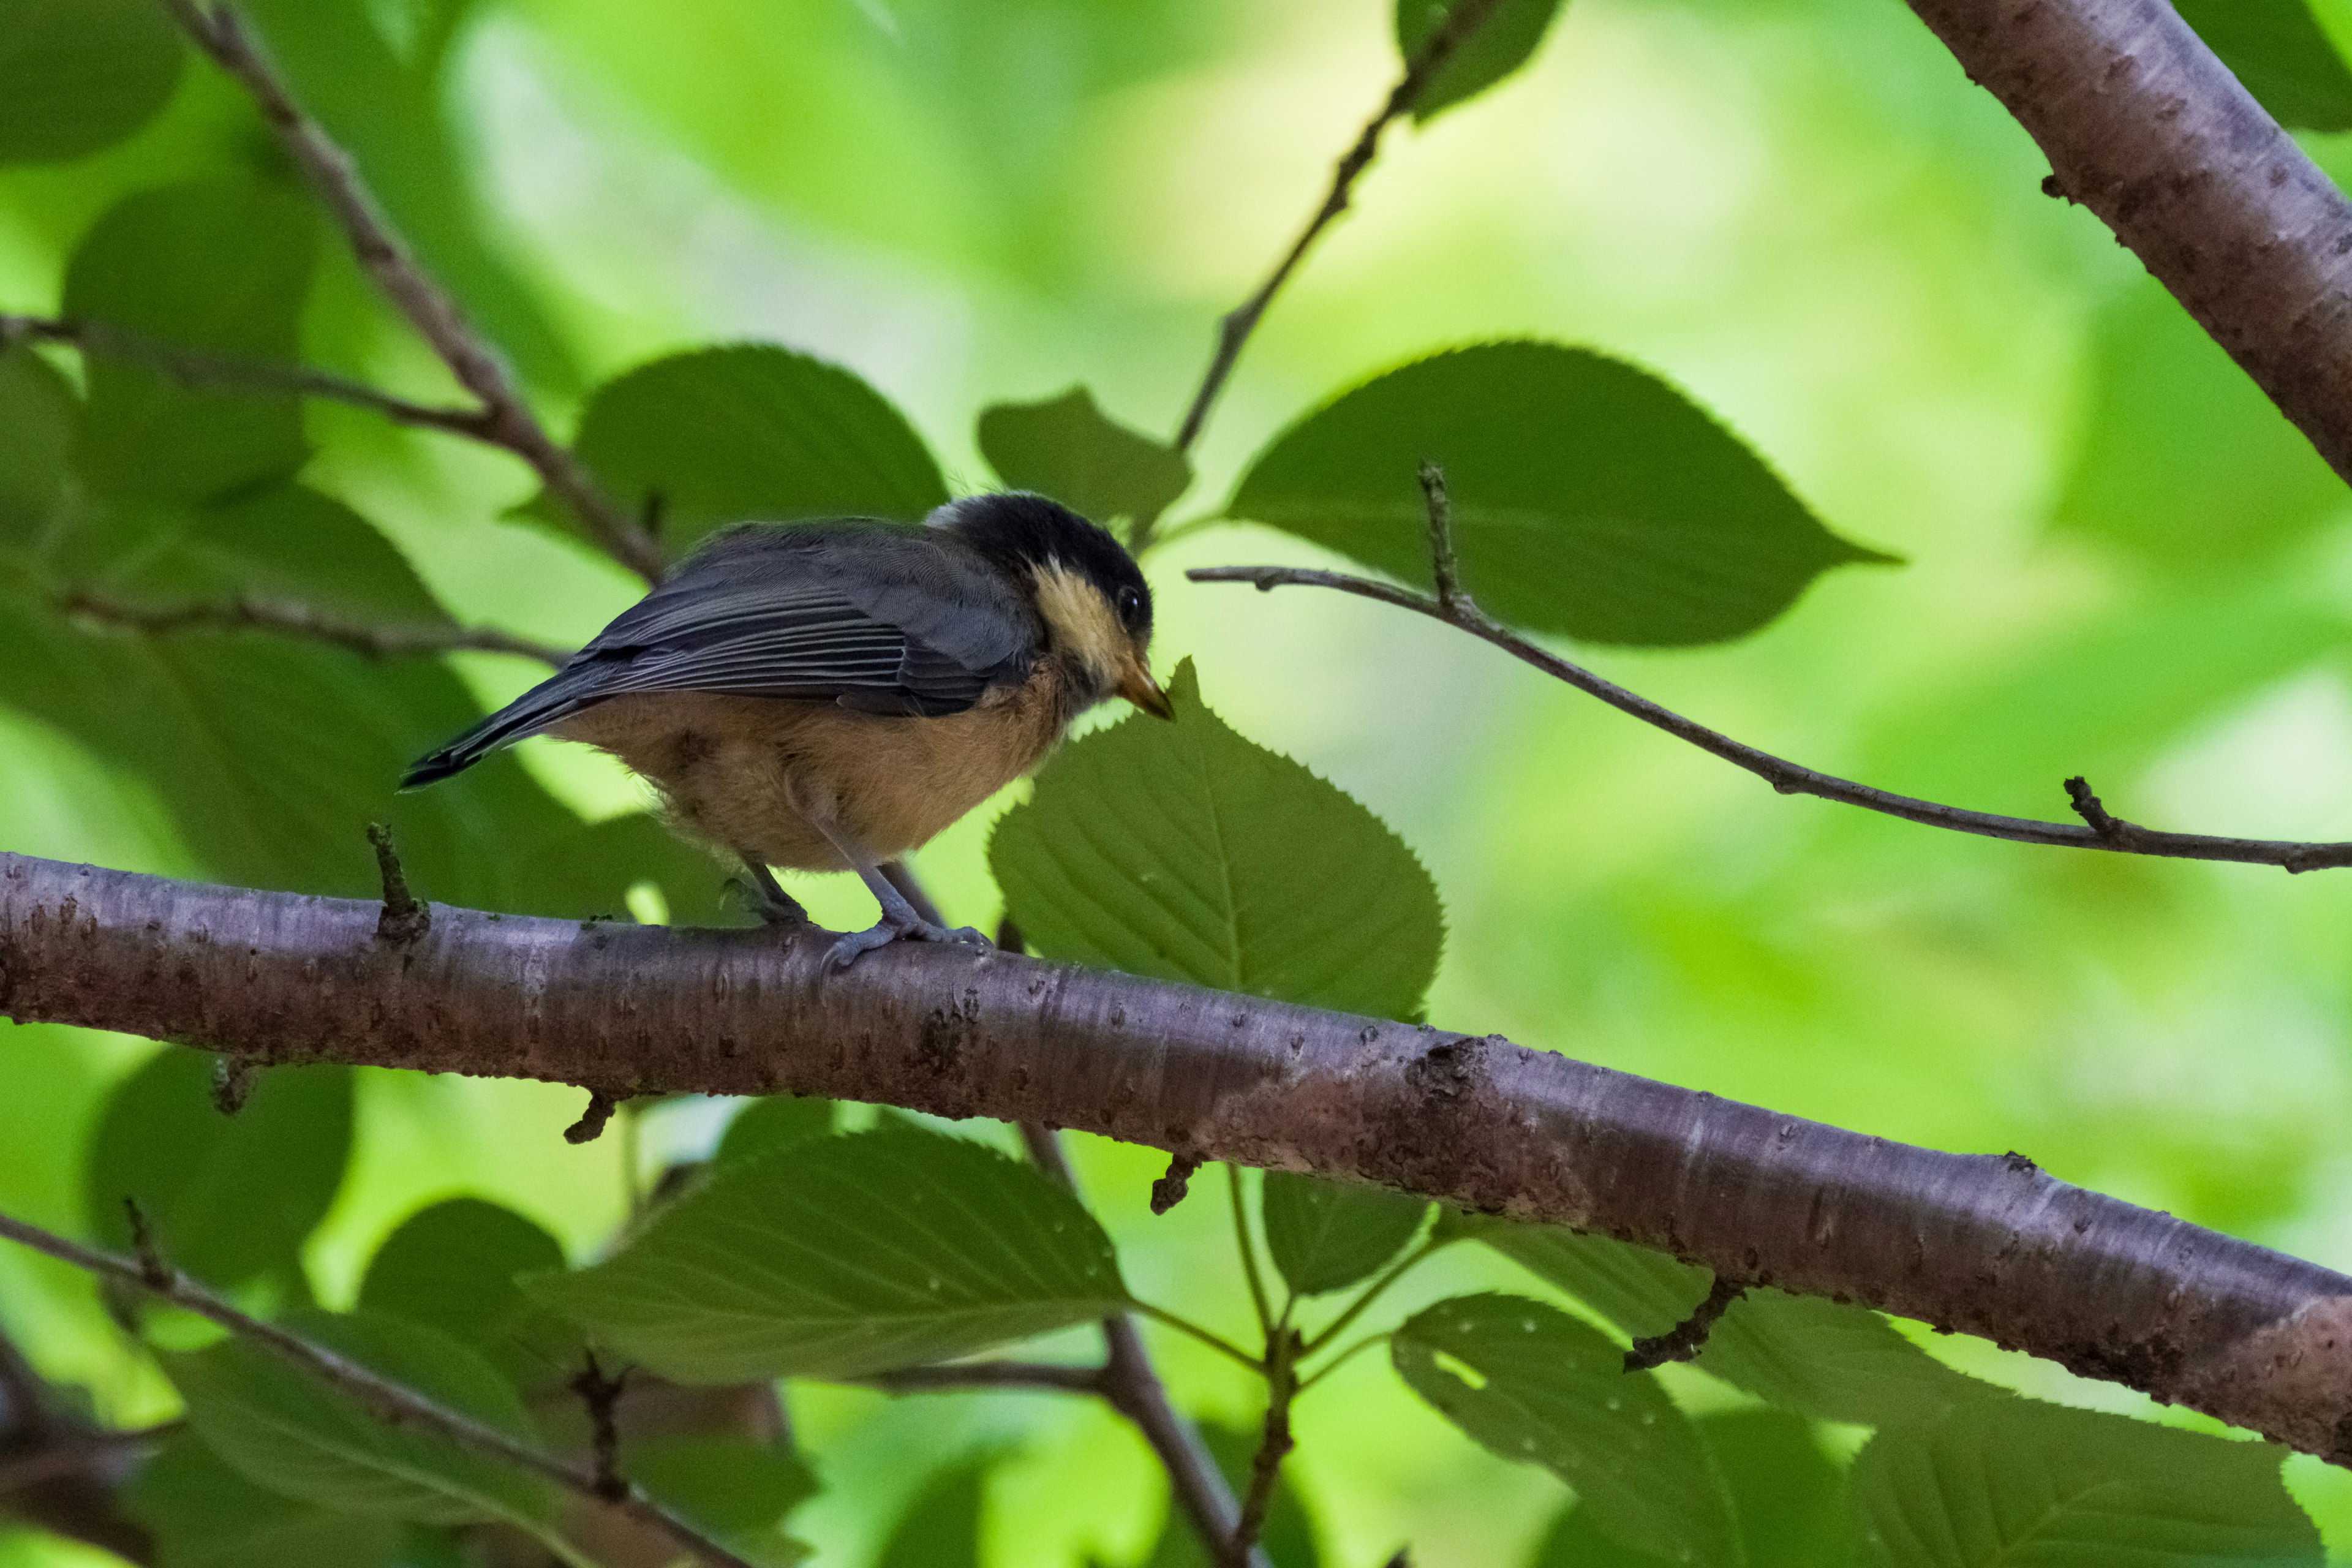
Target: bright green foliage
x,y
227,1198
940,1528
39,411
1529,1383
837,1257
453,1266
1589,497
2279,52
737,1489
1067,449
772,1123
1502,43
204,1514
2020,1484
287,1430
1184,851
1789,1499
1324,1235
1289,1539
718,436
216,265
76,75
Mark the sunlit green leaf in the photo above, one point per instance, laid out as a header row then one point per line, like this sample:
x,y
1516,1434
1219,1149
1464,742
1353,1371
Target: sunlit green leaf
x,y
287,1430
453,1266
1501,45
1067,449
76,75
1788,1497
1184,851
2012,1481
1529,1383
227,1198
1589,497
728,434
842,1256
38,413
2279,51
1324,1235
206,1514
772,1123
220,267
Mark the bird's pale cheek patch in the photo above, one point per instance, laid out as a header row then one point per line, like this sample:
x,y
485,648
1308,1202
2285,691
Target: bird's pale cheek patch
x,y
1084,626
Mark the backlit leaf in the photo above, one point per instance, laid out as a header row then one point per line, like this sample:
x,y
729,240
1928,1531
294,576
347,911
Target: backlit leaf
x,y
206,1514
1501,45
772,1123
453,1266
37,414
1324,1235
1788,1499
941,1527
1067,449
2279,52
76,75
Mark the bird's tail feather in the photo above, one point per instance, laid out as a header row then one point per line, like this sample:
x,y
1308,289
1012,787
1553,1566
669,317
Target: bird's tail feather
x,y
558,697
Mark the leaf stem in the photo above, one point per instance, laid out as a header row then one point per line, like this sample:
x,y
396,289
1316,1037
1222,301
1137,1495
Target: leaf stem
x,y
1258,1301
1372,1294
1344,1357
1207,1337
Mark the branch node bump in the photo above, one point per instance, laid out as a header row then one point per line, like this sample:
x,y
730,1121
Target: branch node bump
x,y
404,919
233,1078
153,1271
1169,1190
601,1396
2088,807
1445,572
1685,1339
591,1125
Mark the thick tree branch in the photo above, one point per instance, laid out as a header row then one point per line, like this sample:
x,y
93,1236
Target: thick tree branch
x,y
1978,1244
2147,128
506,419
1788,777
374,640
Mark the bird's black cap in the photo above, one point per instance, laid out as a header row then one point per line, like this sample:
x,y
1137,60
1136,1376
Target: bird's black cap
x,y
1020,531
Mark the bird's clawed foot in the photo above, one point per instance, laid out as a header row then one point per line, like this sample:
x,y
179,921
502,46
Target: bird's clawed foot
x,y
892,928
765,897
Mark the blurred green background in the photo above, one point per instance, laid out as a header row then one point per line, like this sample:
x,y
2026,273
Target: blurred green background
x,y
2121,564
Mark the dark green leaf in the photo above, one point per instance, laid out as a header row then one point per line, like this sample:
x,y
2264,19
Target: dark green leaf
x,y
38,413
1324,1235
739,1489
941,1527
586,869
1067,449
1589,497
1643,1292
726,435
2279,51
1529,1383
1501,45
772,1123
204,1514
294,1434
843,1256
216,265
1288,1538
2012,1481
76,75
1786,1494
228,1198
1183,851
452,1267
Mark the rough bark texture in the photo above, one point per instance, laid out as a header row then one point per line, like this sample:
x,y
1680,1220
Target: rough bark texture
x,y
1979,1243
2147,128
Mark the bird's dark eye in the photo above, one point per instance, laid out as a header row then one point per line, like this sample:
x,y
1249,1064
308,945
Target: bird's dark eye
x,y
1131,607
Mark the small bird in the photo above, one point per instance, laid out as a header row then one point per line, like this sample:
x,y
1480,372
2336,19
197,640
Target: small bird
x,y
827,696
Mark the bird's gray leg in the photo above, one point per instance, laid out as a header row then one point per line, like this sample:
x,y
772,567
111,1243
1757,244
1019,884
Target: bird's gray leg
x,y
899,918
774,906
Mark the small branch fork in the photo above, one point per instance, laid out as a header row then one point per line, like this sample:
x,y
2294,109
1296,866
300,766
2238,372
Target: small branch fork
x,y
1463,21
504,419
1688,1338
2101,831
392,1403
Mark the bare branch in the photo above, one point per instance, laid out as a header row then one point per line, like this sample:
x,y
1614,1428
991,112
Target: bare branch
x,y
375,641
1465,18
1788,777
391,1403
506,419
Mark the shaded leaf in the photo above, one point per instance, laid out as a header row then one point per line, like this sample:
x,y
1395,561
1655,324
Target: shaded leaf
x,y
221,267
1789,1499
2280,53
1643,1291
772,1123
1589,497
2016,1482
1067,449
453,1266
585,870
38,413
941,1527
1323,1235
294,1434
76,75
1183,851
1529,1383
206,1514
843,1256
1502,43
1288,1538
733,1486
228,1198
726,435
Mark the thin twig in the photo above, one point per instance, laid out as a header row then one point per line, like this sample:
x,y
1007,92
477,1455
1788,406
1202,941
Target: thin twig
x,y
1248,1249
1688,1338
1445,572
391,1403
1465,18
601,1396
374,641
406,917
1274,1444
1788,777
506,419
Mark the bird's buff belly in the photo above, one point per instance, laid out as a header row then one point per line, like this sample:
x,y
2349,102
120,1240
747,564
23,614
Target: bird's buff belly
x,y
753,774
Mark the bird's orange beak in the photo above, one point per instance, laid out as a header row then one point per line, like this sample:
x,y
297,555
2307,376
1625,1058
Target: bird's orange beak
x,y
1135,684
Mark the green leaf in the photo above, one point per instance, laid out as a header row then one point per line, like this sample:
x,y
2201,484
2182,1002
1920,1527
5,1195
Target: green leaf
x,y
76,75
228,1198
1529,1383
216,265
453,1266
1643,1291
1067,449
38,413
843,1256
2021,1484
204,1514
733,1486
1502,43
941,1527
1182,851
1589,497
1324,1235
584,871
1786,1494
1288,1538
287,1430
726,435
772,1123
2279,51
